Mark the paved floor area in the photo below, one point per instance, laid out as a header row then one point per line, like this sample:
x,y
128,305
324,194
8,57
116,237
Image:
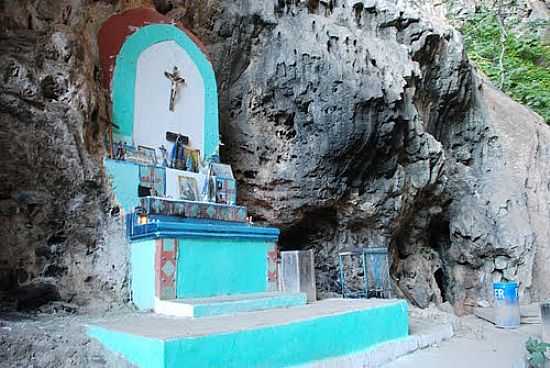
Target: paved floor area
x,y
164,327
477,344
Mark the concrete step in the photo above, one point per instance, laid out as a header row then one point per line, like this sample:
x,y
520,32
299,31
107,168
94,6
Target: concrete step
x,y
273,338
229,304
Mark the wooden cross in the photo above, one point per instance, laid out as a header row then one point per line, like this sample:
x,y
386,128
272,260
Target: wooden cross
x,y
176,80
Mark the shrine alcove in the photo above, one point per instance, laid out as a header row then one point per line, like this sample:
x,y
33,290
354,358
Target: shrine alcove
x,y
137,49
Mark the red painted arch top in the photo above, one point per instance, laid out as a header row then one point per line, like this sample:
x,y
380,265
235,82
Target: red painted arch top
x,y
119,27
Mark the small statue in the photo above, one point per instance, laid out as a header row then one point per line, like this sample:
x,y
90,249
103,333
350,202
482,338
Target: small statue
x,y
120,153
164,155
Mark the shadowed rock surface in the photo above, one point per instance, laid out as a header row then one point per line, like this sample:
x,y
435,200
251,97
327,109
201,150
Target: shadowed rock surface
x,y
348,123
362,123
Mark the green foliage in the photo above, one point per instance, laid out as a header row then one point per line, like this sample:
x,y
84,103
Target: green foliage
x,y
512,56
536,350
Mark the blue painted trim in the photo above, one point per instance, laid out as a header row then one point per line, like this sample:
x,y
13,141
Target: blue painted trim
x,y
124,81
240,306
203,229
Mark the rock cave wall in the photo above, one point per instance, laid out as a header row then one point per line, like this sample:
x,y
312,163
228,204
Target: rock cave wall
x,y
59,241
348,123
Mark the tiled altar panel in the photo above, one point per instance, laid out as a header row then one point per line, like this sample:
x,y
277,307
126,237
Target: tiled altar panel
x,y
189,209
272,267
166,268
208,267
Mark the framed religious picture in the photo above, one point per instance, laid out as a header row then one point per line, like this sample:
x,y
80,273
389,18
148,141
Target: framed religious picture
x,y
226,191
212,189
222,171
139,156
149,154
188,188
153,177
192,159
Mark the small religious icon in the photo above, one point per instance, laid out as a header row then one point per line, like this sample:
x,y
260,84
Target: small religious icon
x,y
176,80
163,156
120,152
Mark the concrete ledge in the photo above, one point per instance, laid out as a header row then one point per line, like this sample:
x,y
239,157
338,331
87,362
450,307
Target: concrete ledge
x,y
274,338
215,306
424,336
200,228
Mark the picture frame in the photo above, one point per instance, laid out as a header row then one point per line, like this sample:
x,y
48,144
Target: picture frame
x,y
226,191
222,171
192,159
135,155
149,153
188,188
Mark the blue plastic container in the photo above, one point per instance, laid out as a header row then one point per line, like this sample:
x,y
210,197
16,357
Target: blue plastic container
x,y
506,304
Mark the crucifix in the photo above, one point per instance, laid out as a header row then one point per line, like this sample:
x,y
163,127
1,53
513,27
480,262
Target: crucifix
x,y
176,80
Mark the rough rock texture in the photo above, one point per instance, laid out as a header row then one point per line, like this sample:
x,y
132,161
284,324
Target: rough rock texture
x,y
362,123
58,241
348,123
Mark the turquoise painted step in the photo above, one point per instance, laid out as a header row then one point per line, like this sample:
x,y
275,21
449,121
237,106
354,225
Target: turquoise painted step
x,y
230,304
274,338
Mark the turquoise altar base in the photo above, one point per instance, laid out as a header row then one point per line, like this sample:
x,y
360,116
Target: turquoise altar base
x,y
214,258
279,345
210,267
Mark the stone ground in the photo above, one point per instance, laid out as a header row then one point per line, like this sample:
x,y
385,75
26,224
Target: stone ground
x,y
476,344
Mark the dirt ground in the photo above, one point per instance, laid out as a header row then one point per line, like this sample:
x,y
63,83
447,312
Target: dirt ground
x,y
46,340
477,344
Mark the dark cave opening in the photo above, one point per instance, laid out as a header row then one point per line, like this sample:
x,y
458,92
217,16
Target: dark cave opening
x,y
314,225
439,276
439,232
163,6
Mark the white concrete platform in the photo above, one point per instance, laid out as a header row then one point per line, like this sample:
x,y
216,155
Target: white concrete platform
x,y
228,304
168,327
273,338
423,334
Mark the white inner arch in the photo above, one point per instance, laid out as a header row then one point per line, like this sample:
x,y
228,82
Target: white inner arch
x,y
152,116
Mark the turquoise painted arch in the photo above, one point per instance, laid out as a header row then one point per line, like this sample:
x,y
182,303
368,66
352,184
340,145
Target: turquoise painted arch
x,y
124,80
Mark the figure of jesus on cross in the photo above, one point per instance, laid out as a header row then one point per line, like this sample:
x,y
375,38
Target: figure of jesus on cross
x,y
176,80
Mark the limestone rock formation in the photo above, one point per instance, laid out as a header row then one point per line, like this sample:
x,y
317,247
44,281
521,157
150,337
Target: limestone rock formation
x,y
54,201
348,123
363,123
